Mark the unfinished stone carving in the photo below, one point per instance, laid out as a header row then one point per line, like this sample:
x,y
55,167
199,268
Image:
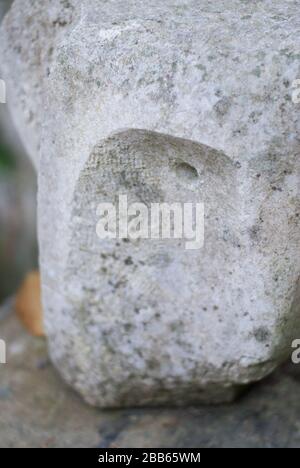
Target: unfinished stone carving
x,y
166,102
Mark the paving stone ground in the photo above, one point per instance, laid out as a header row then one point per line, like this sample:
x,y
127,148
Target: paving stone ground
x,y
38,410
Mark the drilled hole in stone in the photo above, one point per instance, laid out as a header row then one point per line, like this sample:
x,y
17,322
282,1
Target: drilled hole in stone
x,y
186,172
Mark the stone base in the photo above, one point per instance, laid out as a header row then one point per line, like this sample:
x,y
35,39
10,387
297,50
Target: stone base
x,y
38,410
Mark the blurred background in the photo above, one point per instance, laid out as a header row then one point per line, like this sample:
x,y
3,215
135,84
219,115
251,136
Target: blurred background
x,y
18,245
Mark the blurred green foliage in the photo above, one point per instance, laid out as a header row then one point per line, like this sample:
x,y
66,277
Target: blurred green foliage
x,y
7,160
18,247
8,257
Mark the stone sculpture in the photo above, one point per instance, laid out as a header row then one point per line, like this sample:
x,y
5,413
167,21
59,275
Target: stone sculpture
x,y
164,102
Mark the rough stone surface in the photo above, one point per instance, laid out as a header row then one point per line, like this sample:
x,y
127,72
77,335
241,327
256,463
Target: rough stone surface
x,y
123,97
38,410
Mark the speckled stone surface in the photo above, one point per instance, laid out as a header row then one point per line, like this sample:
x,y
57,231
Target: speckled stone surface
x,y
114,96
38,410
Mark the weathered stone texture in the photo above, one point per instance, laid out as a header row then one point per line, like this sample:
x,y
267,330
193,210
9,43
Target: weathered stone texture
x,y
127,97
